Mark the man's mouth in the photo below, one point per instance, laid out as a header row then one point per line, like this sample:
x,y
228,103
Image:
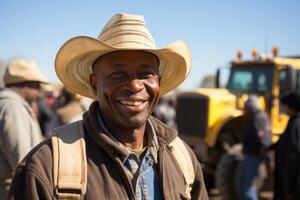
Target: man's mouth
x,y
133,105
132,102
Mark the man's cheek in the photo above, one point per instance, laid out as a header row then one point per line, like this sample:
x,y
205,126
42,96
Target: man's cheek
x,y
154,85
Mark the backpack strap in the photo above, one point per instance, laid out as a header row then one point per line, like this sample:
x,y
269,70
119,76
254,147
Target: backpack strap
x,y
182,156
69,161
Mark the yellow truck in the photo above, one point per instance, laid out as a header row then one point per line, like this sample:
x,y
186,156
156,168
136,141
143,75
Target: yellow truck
x,y
211,120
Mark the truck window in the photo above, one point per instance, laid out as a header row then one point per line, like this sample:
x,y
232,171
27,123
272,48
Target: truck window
x,y
251,79
241,80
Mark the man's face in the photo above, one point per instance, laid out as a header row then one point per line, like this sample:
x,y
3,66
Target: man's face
x,y
31,91
127,86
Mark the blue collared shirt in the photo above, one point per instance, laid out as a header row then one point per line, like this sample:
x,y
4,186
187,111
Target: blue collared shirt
x,y
144,176
145,179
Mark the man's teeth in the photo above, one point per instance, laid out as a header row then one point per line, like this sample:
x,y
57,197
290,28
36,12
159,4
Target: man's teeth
x,y
131,103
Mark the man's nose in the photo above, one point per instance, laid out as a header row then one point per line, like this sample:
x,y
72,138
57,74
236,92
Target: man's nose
x,y
135,85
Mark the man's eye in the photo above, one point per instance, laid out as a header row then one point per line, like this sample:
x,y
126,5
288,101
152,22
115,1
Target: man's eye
x,y
117,75
145,75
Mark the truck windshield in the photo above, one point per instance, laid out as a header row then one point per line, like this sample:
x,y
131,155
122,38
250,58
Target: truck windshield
x,y
251,79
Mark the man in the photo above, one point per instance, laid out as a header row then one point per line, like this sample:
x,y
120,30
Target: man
x,y
256,138
129,155
287,152
19,129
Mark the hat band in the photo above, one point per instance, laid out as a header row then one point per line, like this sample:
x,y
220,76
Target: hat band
x,y
126,32
124,22
131,41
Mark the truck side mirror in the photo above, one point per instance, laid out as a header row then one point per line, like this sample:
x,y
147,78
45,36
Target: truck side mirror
x,y
291,79
218,76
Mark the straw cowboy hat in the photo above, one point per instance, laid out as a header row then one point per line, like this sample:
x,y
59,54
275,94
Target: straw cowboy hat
x,y
21,70
74,60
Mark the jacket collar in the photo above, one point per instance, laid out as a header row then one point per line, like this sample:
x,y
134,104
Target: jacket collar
x,y
13,94
158,133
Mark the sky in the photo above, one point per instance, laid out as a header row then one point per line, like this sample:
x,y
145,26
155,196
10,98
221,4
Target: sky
x,y
214,29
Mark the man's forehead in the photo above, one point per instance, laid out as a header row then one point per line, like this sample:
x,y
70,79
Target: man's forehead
x,y
120,59
121,53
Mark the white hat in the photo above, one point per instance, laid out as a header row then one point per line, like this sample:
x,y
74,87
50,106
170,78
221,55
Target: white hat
x,y
21,70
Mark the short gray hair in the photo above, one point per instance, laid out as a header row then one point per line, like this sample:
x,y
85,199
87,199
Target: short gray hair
x,y
252,103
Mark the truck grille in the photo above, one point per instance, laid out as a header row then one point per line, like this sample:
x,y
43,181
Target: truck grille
x,y
192,114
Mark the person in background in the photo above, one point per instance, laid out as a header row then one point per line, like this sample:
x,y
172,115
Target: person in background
x,y
68,109
256,139
44,113
287,152
19,128
165,110
51,93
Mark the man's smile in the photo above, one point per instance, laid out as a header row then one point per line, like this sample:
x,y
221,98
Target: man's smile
x,y
133,105
132,102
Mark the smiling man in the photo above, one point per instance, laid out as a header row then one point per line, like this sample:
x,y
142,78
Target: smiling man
x,y
122,152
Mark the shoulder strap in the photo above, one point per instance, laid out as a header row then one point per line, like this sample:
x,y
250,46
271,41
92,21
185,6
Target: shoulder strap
x,y
69,161
184,160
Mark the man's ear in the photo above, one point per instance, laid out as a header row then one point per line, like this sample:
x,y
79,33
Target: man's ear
x,y
159,79
93,83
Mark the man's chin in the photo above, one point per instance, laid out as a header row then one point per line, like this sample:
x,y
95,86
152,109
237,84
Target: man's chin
x,y
134,123
132,120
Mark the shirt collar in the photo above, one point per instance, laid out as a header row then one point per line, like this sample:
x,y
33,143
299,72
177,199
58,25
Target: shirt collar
x,y
150,131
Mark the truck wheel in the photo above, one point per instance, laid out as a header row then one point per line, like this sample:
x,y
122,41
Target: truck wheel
x,y
226,175
227,172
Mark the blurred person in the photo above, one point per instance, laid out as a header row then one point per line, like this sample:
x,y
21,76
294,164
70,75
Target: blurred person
x,y
129,154
287,152
51,93
72,108
165,111
256,139
44,113
19,129
69,109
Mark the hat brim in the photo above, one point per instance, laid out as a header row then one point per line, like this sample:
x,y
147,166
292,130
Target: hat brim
x,y
25,77
74,60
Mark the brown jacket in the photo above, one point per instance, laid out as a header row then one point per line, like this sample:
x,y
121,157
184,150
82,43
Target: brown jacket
x,y
106,175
